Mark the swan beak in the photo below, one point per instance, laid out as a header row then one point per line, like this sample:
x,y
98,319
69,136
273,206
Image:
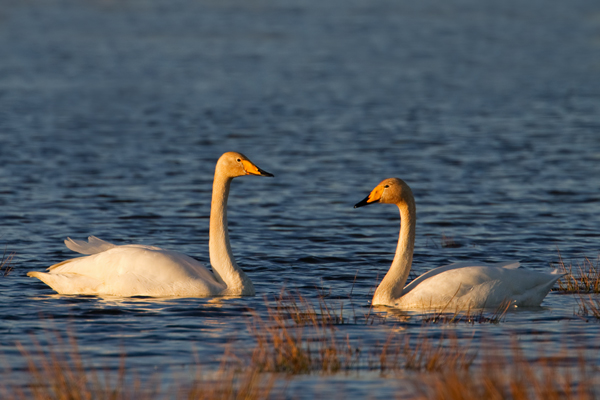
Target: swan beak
x,y
252,169
373,197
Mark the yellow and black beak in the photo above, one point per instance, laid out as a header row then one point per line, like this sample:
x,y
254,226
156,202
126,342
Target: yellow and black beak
x,y
373,197
252,169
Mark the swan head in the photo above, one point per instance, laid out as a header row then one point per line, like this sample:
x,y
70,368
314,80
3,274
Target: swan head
x,y
389,191
235,164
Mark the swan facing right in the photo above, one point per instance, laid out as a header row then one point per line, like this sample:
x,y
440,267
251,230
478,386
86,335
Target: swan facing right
x,y
459,285
139,270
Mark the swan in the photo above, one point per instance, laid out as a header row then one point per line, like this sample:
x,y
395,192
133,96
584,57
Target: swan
x,y
459,285
139,270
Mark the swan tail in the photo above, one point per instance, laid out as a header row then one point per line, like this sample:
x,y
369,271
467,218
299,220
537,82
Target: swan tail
x,y
67,283
92,246
535,295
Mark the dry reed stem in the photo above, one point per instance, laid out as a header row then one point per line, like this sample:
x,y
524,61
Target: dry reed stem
x,y
583,278
588,307
230,384
516,378
422,354
469,316
448,242
445,372
299,339
307,344
61,375
6,263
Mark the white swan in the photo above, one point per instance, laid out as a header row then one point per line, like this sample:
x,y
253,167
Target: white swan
x,y
458,285
138,270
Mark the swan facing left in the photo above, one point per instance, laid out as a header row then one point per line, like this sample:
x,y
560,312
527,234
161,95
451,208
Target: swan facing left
x,y
139,270
458,285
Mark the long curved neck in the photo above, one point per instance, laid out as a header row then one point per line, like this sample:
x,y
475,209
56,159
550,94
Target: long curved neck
x,y
225,269
390,288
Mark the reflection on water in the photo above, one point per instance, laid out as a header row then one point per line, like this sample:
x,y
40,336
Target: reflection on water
x,y
113,114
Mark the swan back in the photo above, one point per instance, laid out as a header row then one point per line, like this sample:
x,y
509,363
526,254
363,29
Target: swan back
x,y
132,270
461,264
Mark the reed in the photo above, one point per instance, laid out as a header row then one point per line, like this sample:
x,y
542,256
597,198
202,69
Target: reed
x,y
58,372
549,378
6,265
295,307
228,384
443,370
445,242
448,242
423,354
588,307
62,375
299,338
469,316
581,278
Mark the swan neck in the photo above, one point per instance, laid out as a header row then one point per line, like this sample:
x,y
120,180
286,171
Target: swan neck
x,y
223,263
390,288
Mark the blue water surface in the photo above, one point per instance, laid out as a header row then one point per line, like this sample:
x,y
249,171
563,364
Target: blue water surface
x,y
113,114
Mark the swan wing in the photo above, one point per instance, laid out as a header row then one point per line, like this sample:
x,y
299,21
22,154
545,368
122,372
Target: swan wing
x,y
133,270
480,286
514,264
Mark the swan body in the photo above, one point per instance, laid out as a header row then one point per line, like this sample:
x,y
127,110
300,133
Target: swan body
x,y
458,285
138,270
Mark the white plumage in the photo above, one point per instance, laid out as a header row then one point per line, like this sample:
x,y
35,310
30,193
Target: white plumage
x,y
138,270
458,285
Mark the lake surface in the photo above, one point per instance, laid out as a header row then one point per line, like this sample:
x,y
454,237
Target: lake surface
x,y
113,114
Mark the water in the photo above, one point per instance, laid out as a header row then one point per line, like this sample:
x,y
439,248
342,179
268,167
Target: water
x,y
113,114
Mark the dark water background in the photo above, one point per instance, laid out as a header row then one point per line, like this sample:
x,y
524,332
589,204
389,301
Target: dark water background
x,y
113,114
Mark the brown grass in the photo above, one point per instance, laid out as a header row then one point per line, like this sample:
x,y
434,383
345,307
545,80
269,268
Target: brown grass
x,y
444,371
551,377
231,384
298,337
581,278
588,306
56,374
423,354
62,375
